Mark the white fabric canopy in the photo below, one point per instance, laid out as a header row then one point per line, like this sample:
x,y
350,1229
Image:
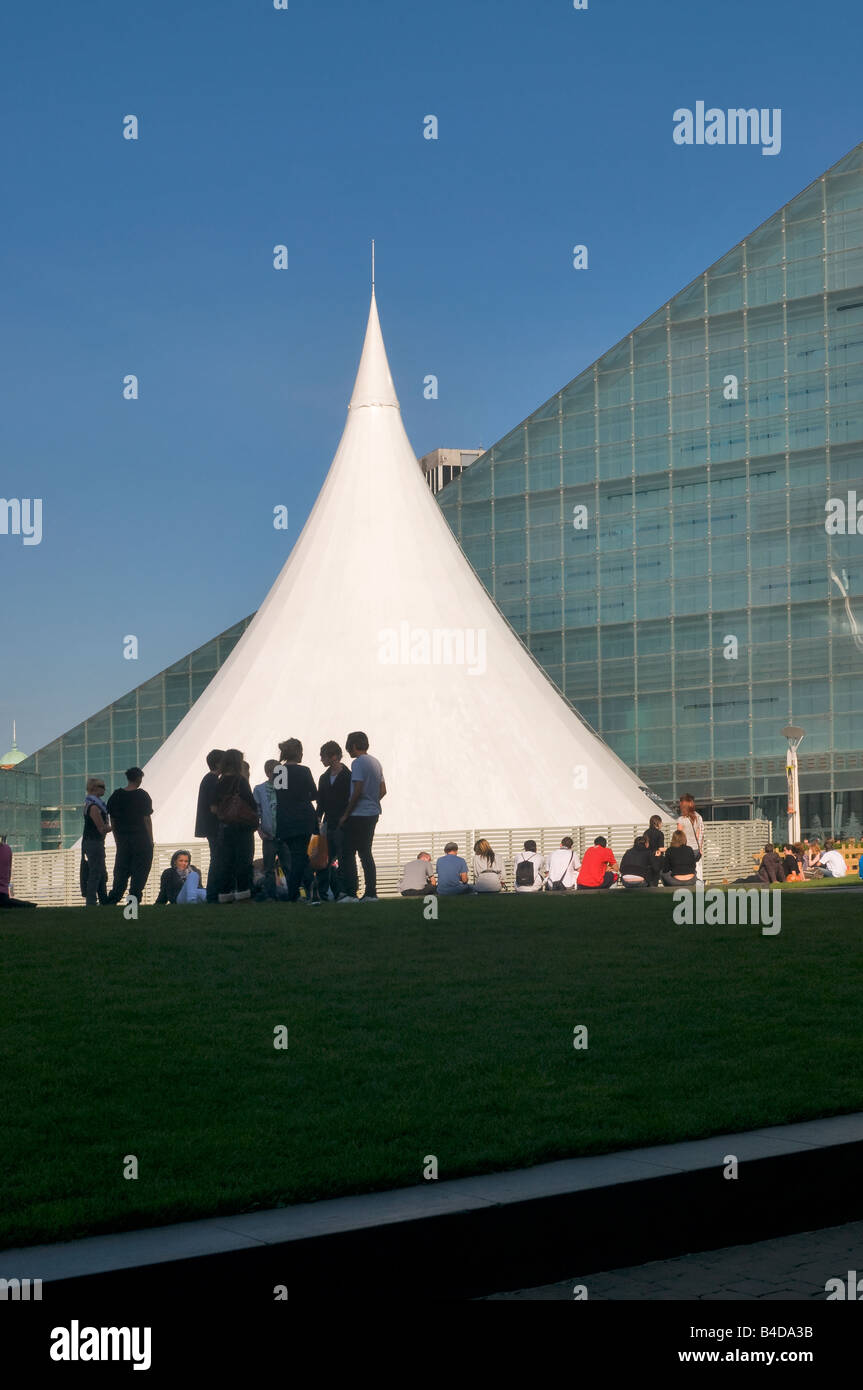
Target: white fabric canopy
x,y
378,622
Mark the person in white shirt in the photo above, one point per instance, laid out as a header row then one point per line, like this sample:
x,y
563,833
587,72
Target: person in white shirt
x,y
563,866
531,878
692,825
488,874
831,861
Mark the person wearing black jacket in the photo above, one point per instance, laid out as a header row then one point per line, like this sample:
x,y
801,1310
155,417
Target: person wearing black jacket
x,y
656,844
334,793
173,878
678,863
207,826
771,869
296,819
637,867
237,842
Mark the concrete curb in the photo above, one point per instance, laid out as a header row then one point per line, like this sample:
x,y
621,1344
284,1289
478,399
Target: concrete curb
x,y
470,1236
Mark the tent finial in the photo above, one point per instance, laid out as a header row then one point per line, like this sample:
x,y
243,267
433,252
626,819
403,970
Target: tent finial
x,y
373,264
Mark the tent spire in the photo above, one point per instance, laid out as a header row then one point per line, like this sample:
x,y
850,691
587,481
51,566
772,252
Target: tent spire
x,y
373,265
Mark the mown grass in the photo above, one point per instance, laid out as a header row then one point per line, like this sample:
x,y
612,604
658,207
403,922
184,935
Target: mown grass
x,y
407,1037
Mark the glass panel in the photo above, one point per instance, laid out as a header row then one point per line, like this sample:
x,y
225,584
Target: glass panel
x,y
804,239
805,277
845,270
650,381
510,513
206,657
509,479
543,437
724,293
578,396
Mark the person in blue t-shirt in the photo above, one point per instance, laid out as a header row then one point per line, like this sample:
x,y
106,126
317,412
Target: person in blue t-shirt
x,y
451,872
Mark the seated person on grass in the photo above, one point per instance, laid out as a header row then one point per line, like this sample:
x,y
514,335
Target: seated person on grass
x,y
530,869
451,872
678,863
563,867
181,883
812,860
792,869
597,866
771,869
418,878
831,861
638,867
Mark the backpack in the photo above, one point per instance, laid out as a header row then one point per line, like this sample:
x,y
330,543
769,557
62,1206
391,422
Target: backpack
x,y
524,874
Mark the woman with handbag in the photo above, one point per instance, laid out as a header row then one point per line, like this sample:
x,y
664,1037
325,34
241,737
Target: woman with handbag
x,y
237,813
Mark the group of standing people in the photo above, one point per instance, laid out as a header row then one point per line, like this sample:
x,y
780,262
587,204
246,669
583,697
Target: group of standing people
x,y
127,815
287,809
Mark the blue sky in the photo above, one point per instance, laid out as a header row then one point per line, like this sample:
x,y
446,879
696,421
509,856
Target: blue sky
x,y
305,127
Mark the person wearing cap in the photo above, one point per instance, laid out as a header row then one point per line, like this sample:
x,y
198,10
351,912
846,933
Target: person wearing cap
x,y
451,872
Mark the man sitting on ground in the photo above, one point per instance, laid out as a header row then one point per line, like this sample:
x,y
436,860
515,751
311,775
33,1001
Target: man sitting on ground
x,y
563,865
831,861
597,867
530,870
418,880
451,872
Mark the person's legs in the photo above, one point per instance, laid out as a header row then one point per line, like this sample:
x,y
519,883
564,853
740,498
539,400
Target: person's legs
x,y
142,862
608,879
364,845
122,869
6,901
94,855
269,855
214,841
227,860
297,846
348,858
336,843
244,858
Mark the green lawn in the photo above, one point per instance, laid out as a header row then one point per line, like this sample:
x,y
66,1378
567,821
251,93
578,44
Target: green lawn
x,y
407,1037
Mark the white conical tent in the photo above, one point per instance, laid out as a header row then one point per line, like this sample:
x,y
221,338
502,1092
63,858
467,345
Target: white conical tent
x,y
377,622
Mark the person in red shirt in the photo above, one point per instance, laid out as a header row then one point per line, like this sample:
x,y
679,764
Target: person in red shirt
x,y
597,866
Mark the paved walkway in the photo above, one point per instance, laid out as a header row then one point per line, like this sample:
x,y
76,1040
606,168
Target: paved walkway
x,y
793,1268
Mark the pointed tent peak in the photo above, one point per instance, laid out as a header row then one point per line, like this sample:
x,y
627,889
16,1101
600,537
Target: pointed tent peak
x,y
374,383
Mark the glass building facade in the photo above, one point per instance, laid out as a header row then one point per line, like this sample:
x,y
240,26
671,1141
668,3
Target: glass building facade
x,y
124,734
657,532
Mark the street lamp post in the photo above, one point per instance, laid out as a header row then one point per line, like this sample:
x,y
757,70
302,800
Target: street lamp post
x,y
795,735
